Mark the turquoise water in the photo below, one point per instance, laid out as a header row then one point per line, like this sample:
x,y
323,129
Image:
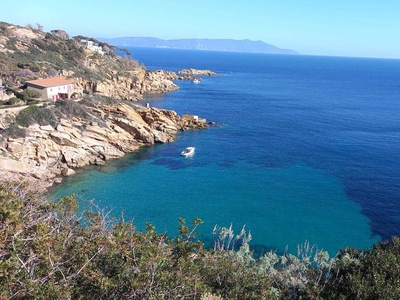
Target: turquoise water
x,y
282,207
308,150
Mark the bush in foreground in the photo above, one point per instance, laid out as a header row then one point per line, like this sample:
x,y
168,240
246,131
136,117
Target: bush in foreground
x,y
49,250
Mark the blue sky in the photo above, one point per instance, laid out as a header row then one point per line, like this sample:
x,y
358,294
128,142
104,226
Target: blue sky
x,y
339,28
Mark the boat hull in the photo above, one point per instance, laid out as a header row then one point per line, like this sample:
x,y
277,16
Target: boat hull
x,y
189,151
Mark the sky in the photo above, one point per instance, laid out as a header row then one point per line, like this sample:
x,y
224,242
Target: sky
x,y
356,28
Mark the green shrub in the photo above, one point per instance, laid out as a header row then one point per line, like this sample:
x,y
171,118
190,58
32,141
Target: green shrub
x,y
36,115
4,29
13,131
31,94
11,43
33,66
70,108
91,255
13,101
371,274
32,101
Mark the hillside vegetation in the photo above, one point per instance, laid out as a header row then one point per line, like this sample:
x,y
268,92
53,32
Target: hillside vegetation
x,y
28,53
50,250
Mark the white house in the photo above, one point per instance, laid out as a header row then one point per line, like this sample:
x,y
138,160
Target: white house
x,y
93,46
52,88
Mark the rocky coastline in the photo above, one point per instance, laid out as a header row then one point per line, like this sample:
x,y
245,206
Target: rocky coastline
x,y
48,145
47,154
134,85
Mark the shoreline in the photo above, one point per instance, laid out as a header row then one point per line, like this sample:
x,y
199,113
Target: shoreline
x,y
106,168
48,154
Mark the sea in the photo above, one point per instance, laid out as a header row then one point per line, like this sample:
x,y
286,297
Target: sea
x,y
306,149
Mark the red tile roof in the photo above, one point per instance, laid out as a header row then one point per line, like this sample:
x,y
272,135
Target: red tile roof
x,y
49,82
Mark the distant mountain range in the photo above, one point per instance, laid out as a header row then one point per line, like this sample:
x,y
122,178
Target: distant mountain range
x,y
199,44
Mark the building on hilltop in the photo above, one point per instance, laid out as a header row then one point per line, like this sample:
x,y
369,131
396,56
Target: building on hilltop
x,y
53,88
93,46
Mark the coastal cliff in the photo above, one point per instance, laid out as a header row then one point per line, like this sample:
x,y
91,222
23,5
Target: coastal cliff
x,y
129,87
59,142
45,141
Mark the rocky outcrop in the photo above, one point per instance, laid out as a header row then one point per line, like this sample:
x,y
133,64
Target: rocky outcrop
x,y
157,82
195,72
46,153
130,86
134,84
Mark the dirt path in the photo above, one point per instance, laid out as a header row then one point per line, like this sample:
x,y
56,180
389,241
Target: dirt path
x,y
12,110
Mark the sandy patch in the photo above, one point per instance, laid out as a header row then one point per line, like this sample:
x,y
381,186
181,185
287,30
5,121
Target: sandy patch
x,y
24,33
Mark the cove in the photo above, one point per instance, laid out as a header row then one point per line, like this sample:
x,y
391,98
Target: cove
x,y
283,207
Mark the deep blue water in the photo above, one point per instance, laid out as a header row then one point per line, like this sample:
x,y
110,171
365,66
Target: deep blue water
x,y
308,149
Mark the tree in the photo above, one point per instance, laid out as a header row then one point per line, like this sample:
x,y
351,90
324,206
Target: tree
x,y
36,27
31,94
39,27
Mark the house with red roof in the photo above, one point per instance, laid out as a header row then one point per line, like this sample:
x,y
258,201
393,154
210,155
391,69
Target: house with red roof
x,y
52,88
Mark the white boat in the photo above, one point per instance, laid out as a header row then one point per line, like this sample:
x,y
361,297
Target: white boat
x,y
189,151
196,80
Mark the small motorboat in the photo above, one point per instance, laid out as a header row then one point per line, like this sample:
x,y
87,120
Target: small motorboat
x,y
189,151
196,80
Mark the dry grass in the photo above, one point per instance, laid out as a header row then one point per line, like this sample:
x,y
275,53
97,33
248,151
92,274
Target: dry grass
x,y
209,296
